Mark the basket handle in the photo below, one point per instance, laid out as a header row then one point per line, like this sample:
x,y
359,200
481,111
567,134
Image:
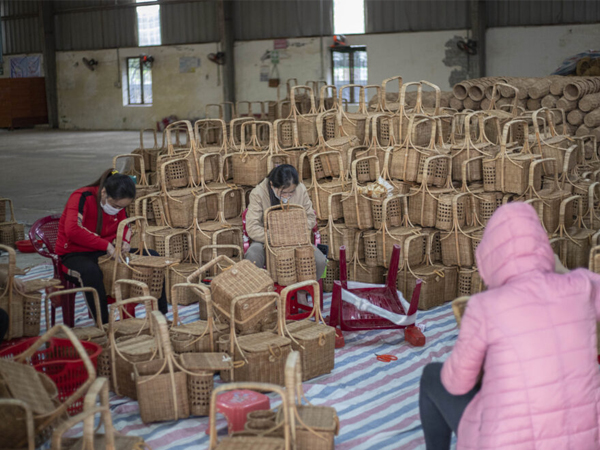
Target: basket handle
x,y
83,355
168,238
412,128
203,292
98,390
142,138
119,241
274,299
208,122
12,211
216,247
322,154
264,387
178,126
276,124
163,173
438,96
515,99
209,265
316,311
294,105
464,168
359,160
29,424
254,137
426,170
75,291
323,97
228,191
143,180
384,84
563,207
505,132
232,107
417,109
214,105
202,165
404,199
532,168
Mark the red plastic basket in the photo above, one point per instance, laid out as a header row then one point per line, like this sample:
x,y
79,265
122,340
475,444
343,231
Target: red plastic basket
x,y
60,361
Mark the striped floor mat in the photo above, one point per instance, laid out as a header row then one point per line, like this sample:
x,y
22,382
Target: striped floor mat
x,y
377,402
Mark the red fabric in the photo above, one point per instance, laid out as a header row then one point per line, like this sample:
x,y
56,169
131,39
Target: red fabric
x,y
77,226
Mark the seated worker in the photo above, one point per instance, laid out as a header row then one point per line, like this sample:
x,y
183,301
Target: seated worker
x,y
88,230
523,373
281,186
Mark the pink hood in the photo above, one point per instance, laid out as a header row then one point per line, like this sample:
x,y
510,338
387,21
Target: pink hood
x,y
533,334
514,243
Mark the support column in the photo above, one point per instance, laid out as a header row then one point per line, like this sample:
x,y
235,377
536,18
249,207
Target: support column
x,y
226,31
478,27
46,11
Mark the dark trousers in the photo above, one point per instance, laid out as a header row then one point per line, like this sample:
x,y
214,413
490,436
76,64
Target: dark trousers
x,y
86,272
440,411
3,324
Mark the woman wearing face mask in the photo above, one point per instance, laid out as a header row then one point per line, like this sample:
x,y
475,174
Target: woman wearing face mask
x,y
88,230
281,186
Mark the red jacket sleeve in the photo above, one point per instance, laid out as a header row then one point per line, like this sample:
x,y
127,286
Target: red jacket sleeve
x,y
74,228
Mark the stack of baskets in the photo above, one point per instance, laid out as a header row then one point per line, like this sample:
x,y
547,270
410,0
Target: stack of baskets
x,y
403,165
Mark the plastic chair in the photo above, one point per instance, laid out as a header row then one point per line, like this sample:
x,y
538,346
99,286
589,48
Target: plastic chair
x,y
294,309
46,231
349,317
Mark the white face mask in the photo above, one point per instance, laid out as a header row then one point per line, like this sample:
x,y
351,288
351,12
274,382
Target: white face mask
x,y
111,210
282,200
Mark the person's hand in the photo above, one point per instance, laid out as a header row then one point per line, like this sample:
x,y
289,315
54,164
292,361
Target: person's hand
x,y
111,251
126,247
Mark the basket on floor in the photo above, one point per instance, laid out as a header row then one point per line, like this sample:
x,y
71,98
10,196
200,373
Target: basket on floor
x,y
241,279
313,339
23,305
200,335
261,356
161,383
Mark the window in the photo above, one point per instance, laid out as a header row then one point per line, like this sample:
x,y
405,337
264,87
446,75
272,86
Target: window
x,y
139,81
348,16
349,67
148,19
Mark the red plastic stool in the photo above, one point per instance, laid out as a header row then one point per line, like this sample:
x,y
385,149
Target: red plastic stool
x,y
295,310
235,406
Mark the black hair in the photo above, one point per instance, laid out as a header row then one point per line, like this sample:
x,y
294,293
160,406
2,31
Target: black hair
x,y
282,176
117,186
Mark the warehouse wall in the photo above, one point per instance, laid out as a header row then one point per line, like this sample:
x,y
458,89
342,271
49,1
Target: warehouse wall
x,y
6,63
302,60
90,100
414,56
536,51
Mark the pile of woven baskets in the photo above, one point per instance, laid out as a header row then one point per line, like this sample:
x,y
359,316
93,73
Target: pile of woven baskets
x,y
578,97
401,168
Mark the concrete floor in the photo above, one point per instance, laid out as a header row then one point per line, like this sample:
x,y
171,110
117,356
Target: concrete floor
x,y
40,168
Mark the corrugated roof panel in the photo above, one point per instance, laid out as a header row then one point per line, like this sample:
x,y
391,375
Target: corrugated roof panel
x,y
187,23
259,19
21,36
118,28
506,13
13,8
388,16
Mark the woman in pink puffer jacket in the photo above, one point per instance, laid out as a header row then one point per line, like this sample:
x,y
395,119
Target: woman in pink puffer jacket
x,y
533,334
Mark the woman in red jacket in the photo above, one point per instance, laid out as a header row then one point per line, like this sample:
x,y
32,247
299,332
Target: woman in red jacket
x,y
88,230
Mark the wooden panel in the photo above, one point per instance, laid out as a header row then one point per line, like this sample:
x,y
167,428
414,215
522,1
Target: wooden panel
x,y
22,102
